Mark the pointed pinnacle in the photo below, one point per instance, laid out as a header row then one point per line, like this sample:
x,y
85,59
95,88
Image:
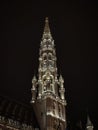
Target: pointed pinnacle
x,y
46,28
47,33
61,79
89,123
34,79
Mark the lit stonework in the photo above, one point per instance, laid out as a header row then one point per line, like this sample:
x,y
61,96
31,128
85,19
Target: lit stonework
x,y
48,90
15,115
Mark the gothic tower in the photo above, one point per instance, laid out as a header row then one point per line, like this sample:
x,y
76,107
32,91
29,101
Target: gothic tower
x,y
48,90
89,125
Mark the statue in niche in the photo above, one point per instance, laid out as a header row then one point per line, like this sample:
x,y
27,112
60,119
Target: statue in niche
x,y
48,81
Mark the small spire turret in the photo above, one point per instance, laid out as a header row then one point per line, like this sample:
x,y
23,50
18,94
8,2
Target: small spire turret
x,y
89,125
61,80
61,89
33,89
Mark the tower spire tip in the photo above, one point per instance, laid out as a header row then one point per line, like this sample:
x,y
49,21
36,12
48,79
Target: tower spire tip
x,y
47,28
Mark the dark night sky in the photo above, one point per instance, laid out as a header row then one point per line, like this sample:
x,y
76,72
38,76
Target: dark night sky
x,y
74,29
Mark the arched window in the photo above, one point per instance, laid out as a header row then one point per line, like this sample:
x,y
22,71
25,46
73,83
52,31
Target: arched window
x,y
49,56
61,126
54,107
55,124
45,56
59,110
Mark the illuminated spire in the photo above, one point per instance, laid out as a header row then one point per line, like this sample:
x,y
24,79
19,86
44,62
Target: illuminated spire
x,y
48,92
46,28
47,33
48,81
